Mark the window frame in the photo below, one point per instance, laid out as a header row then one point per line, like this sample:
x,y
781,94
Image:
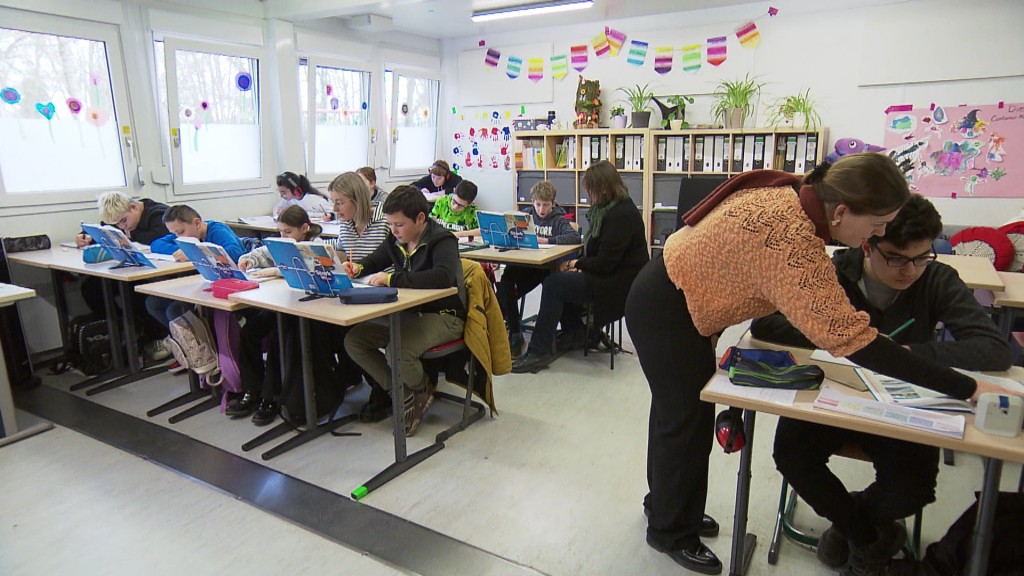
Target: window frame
x,y
398,71
312,61
122,117
178,187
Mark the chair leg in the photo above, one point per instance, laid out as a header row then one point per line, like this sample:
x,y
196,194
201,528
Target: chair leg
x,y
611,338
471,411
915,541
773,550
948,457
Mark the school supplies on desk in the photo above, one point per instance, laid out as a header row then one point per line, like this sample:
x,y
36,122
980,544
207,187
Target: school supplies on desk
x,y
309,266
894,391
946,424
118,245
510,230
211,260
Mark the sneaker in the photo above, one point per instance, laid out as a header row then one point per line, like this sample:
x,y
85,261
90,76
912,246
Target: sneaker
x,y
833,549
175,368
416,404
516,343
873,559
157,350
245,406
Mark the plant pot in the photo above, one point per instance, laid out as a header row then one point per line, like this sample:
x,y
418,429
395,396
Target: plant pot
x,y
675,124
641,119
734,118
619,121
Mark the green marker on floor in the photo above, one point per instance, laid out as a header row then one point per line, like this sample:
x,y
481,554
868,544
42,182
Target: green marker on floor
x,y
358,493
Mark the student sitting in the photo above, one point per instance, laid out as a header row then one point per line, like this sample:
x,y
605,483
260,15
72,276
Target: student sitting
x,y
424,255
518,281
295,190
456,212
893,278
182,220
362,231
369,176
142,221
439,181
615,251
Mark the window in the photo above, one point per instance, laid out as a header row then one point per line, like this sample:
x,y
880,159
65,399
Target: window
x,y
62,88
340,97
214,117
412,121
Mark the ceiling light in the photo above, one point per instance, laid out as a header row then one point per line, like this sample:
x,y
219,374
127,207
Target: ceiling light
x,y
533,9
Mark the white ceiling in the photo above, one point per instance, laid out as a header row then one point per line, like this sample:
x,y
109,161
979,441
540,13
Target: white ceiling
x,y
451,18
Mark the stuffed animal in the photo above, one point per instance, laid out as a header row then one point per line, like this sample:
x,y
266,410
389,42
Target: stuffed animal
x,y
846,146
588,103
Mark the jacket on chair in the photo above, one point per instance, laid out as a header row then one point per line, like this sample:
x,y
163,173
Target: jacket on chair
x,y
485,331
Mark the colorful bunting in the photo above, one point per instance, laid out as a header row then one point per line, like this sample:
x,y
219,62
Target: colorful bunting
x,y
615,40
579,57
492,57
637,53
535,69
691,58
748,35
663,59
515,64
716,50
601,46
559,67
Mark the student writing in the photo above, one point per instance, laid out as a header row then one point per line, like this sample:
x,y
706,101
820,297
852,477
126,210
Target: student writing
x,y
456,212
439,181
295,190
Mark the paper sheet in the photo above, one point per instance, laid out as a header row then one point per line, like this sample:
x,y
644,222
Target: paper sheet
x,y
161,257
824,356
258,221
720,383
833,400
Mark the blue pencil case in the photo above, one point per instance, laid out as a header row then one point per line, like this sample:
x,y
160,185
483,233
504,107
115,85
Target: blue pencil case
x,y
372,295
95,254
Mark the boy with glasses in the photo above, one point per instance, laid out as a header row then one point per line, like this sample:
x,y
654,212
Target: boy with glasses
x,y
456,212
893,278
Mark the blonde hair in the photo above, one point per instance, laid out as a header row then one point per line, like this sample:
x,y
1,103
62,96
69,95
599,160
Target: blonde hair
x,y
351,186
544,191
113,206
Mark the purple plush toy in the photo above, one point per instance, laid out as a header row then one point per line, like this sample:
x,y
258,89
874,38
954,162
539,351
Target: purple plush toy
x,y
846,146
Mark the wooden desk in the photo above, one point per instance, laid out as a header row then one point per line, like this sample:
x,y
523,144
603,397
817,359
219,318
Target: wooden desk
x,y
265,227
977,272
9,295
60,259
1010,299
993,450
279,297
524,256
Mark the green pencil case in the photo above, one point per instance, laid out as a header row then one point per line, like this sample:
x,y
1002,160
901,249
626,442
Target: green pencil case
x,y
747,372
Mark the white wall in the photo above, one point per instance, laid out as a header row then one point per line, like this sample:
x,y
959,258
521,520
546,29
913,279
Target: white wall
x,y
809,44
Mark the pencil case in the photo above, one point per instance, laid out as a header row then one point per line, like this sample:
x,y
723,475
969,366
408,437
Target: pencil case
x,y
226,286
95,254
371,295
748,372
778,358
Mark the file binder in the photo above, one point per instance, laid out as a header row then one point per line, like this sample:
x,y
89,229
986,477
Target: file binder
x,y
737,154
759,146
662,154
812,152
698,154
620,152
801,153
748,152
789,158
718,154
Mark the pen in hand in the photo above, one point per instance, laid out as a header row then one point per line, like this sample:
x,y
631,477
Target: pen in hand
x,y
901,327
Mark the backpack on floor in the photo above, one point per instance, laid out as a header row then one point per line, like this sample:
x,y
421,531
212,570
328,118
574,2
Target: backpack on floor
x,y
89,342
194,348
228,333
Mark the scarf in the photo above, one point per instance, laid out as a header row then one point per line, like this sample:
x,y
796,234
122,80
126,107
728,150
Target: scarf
x,y
595,216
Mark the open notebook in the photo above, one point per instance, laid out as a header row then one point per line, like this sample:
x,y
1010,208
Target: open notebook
x,y
895,391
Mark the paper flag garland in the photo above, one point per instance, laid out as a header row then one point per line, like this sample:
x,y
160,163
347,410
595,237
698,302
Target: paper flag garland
x,y
748,35
515,64
716,50
492,57
637,53
615,40
691,58
663,59
559,66
601,46
535,69
579,57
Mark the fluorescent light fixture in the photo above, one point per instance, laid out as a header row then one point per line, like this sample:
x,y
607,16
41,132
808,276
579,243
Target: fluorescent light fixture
x,y
532,9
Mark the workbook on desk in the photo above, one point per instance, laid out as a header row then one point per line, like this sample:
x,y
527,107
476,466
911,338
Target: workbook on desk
x,y
118,245
212,261
895,391
832,399
309,266
509,230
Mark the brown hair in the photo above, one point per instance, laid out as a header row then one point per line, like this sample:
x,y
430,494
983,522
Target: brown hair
x,y
351,186
603,183
440,168
544,191
296,217
867,182
369,174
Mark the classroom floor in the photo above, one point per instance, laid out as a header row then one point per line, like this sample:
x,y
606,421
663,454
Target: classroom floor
x,y
551,485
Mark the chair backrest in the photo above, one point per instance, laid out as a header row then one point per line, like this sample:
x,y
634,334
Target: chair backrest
x,y
942,246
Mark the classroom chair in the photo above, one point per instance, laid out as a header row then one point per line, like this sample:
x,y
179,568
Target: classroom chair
x,y
471,410
606,334
787,507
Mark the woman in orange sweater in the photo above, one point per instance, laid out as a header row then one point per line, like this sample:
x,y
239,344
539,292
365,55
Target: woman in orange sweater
x,y
754,246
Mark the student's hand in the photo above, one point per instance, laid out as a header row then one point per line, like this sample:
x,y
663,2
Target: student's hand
x,y
179,256
83,240
984,387
266,273
350,268
244,264
379,279
541,240
328,216
571,266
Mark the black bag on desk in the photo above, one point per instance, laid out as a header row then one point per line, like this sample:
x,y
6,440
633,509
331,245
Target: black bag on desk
x,y
90,344
371,295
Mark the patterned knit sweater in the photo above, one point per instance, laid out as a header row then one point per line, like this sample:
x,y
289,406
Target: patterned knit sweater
x,y
756,253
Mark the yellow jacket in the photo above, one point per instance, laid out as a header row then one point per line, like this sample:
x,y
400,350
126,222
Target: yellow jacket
x,y
485,330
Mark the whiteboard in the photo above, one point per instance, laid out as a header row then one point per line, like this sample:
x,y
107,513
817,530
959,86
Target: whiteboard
x,y
482,85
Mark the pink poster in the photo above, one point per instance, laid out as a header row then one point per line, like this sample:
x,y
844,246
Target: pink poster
x,y
959,151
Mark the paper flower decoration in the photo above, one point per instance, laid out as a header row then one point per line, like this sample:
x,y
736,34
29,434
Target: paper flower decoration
x,y
334,103
74,105
10,95
97,116
405,109
188,112
47,110
243,81
330,89
364,106
425,113
204,105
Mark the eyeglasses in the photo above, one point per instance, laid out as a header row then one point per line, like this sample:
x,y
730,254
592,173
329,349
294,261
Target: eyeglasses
x,y
901,261
455,201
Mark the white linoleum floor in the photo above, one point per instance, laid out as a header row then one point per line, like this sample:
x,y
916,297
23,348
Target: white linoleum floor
x,y
554,482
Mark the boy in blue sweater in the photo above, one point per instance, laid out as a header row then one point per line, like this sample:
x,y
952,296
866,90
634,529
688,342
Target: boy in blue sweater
x,y
517,281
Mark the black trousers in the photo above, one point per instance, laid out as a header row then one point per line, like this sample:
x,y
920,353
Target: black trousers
x,y
516,282
905,476
677,362
260,377
561,302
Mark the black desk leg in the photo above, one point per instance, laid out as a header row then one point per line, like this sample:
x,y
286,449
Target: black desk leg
x,y
981,543
194,393
62,309
742,542
403,462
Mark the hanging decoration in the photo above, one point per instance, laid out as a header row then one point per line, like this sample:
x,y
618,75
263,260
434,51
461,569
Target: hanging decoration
x,y
491,60
515,64
691,58
748,35
601,45
716,50
663,56
535,69
559,67
75,107
637,53
243,81
47,110
579,57
10,95
615,40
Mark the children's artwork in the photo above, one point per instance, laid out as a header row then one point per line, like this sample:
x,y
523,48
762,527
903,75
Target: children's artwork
x,y
492,57
663,59
716,50
615,40
482,148
535,69
748,35
515,64
600,44
691,58
963,151
637,53
559,67
10,95
579,57
47,110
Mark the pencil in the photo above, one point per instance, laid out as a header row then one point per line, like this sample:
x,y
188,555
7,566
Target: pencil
x,y
901,328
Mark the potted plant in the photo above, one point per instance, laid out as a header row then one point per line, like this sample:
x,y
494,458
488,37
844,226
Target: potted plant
x,y
734,100
672,116
618,117
796,111
639,98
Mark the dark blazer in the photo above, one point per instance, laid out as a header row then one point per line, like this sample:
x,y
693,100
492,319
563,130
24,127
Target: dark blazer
x,y
612,260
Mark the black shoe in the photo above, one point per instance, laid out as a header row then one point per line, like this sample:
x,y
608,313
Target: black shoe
x,y
708,525
833,550
515,344
265,414
245,406
532,362
699,558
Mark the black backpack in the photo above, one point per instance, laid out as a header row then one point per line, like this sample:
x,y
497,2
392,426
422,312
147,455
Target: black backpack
x,y
949,556
89,343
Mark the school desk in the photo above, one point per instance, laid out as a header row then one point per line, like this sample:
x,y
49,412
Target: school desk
x,y
539,257
264,226
280,298
193,290
992,449
9,295
60,259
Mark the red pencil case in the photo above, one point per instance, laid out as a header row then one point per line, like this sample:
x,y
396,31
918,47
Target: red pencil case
x,y
225,286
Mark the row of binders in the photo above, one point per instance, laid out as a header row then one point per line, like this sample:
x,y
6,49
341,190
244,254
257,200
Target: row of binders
x,y
629,152
796,153
531,156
